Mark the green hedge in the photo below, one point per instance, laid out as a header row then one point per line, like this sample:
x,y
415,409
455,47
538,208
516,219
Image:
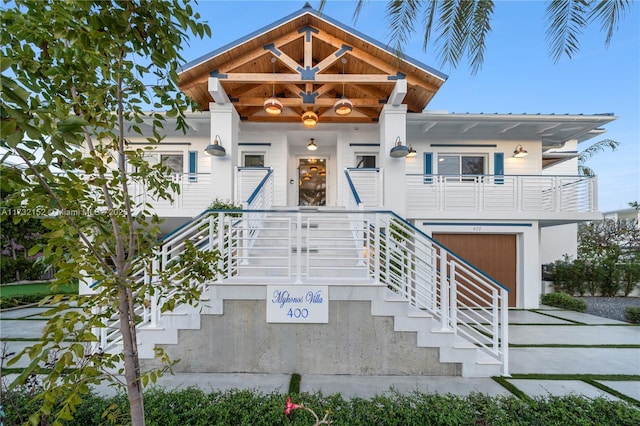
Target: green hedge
x,y
564,301
632,314
29,269
240,407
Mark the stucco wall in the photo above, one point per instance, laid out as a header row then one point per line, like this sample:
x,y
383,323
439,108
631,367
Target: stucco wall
x,y
353,342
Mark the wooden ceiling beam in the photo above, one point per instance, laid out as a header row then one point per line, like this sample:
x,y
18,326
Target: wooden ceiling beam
x,y
380,64
320,102
296,78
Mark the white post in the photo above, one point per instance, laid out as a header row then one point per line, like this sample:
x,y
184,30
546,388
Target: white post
x,y
154,299
225,124
444,290
504,326
393,127
453,298
298,248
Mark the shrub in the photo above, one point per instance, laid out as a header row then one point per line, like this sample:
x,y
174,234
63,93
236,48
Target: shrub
x,y
244,407
29,269
569,275
630,275
20,300
219,204
564,301
632,314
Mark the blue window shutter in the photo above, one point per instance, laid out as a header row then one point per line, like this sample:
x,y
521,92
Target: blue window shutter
x,y
428,167
498,167
193,166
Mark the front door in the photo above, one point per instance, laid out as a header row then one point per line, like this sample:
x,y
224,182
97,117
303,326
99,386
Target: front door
x,y
312,182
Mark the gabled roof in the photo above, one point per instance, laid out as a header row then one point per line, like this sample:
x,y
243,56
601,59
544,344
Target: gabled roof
x,y
308,72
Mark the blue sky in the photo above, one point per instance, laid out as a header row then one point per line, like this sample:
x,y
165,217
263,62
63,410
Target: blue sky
x,y
518,75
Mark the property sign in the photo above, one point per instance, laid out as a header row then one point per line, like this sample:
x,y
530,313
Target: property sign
x,y
297,304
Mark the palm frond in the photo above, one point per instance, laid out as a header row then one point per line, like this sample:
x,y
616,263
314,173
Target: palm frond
x,y
453,37
402,15
609,13
430,11
356,14
566,20
603,145
480,27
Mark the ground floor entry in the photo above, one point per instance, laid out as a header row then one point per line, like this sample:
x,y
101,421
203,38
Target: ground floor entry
x,y
493,254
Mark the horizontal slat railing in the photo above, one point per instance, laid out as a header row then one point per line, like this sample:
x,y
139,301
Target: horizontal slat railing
x,y
466,301
530,193
368,185
194,192
363,246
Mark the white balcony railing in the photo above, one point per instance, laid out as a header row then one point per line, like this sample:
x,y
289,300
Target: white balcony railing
x,y
194,194
516,193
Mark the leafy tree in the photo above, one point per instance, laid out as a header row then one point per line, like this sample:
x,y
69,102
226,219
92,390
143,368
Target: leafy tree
x,y
73,73
461,27
605,245
17,237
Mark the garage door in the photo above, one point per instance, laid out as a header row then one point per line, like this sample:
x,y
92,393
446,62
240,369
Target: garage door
x,y
494,254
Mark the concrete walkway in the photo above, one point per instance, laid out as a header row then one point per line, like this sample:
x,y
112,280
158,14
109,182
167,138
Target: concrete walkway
x,y
571,349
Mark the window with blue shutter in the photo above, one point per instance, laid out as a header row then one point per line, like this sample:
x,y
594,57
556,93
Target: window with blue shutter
x,y
193,166
428,167
498,167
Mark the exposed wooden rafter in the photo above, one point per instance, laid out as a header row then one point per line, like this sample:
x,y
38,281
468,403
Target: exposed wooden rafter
x,y
308,73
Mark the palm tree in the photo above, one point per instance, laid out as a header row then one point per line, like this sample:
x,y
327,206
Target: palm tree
x,y
461,26
591,151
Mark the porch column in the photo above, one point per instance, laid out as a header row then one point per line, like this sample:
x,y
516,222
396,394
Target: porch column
x,y
224,124
393,124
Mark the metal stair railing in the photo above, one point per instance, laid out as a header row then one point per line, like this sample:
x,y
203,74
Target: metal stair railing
x,y
379,246
466,301
203,232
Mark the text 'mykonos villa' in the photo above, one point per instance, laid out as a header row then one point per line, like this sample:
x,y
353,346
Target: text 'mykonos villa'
x,y
376,236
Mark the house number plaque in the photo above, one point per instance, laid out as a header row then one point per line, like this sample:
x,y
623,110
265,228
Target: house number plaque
x,y
297,304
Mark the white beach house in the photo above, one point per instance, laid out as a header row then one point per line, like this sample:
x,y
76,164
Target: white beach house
x,y
378,237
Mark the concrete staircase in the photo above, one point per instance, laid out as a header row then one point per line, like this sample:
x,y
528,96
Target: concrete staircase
x,y
427,331
412,340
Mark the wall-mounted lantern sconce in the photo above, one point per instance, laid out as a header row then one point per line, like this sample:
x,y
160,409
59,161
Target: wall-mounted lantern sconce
x,y
215,148
312,145
399,150
520,152
309,119
412,152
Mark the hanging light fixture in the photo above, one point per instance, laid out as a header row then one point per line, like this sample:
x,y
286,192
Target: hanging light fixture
x,y
412,152
272,105
399,150
215,148
306,176
520,152
313,168
323,172
309,119
312,145
343,106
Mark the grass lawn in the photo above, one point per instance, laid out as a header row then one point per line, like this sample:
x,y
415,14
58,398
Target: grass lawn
x,y
40,288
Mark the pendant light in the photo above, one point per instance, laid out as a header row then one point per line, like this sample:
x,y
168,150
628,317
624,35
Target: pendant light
x,y
312,145
343,106
272,105
309,119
